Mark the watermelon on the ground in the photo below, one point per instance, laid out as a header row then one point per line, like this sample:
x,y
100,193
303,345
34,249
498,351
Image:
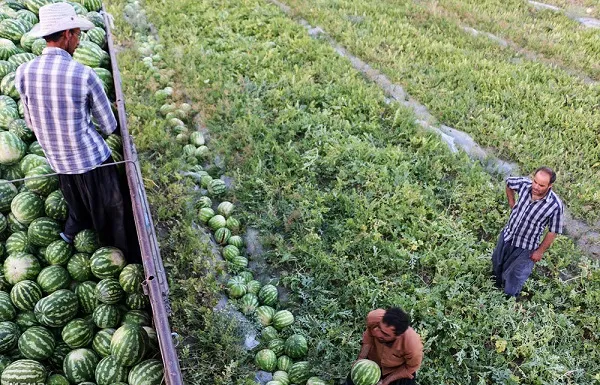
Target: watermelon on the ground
x,y
282,319
296,346
27,206
300,372
59,252
266,360
268,295
284,363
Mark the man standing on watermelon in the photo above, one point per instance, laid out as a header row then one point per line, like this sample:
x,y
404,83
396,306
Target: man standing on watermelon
x,y
518,248
60,96
392,344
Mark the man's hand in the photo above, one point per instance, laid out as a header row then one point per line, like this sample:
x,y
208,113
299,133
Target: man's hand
x,y
537,255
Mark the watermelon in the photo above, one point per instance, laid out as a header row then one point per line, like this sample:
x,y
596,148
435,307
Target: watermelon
x,y
53,278
247,275
97,35
106,316
266,360
36,148
25,294
222,235
110,371
101,342
204,202
107,262
57,379
268,295
59,252
13,173
18,242
17,60
13,29
281,376
5,66
114,142
225,208
315,381
248,304
296,346
152,338
197,138
216,187
277,345
12,148
284,363
86,296
29,161
57,309
24,372
201,153
239,262
29,16
282,319
60,352
109,291
15,226
21,266
79,365
86,241
137,301
137,317
92,6
253,287
237,287
7,49
43,231
131,278
365,372
36,343
78,333
40,183
7,192
206,214
205,178
79,267
216,222
300,372
3,225
128,344
265,314
233,225
9,336
38,46
56,206
269,333
19,128
7,85
7,310
25,320
149,372
35,5
90,54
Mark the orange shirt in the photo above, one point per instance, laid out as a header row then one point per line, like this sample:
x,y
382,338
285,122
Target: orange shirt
x,y
404,354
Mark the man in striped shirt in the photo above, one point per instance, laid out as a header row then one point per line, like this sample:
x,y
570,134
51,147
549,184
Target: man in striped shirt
x,y
60,97
519,247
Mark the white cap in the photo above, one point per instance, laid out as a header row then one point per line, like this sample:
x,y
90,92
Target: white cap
x,y
58,17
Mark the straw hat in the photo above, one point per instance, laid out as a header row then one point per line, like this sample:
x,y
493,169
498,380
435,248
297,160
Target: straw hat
x,y
58,17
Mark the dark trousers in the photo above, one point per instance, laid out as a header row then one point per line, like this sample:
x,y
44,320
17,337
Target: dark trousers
x,y
512,266
98,200
403,381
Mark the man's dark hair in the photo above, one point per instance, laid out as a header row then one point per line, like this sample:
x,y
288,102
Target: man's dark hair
x,y
56,36
394,316
548,171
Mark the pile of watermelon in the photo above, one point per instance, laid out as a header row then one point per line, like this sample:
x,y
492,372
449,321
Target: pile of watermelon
x,y
69,313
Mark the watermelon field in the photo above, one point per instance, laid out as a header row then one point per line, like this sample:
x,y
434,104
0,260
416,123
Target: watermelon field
x,y
291,196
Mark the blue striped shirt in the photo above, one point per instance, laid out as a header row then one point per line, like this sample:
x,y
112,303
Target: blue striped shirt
x,y
529,218
60,96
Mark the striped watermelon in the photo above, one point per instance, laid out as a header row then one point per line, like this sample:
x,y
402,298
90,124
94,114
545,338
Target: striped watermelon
x,y
17,60
79,365
43,231
101,341
265,314
27,15
296,346
107,262
217,222
13,172
247,275
216,187
239,263
222,235
43,182
128,344
78,333
9,111
230,252
269,333
137,317
137,301
131,278
21,266
5,66
281,376
53,278
300,372
13,29
109,291
315,381
277,345
57,309
365,372
36,148
106,316
12,148
79,8
268,295
57,379
7,49
56,206
79,267
110,371
60,352
29,161
25,294
86,241
225,208
24,372
237,287
253,287
20,128
107,82
7,84
7,192
17,242
96,19
97,35
36,343
59,252
284,363
149,372
248,304
152,338
38,46
90,54
114,141
7,310
206,214
266,360
25,320
86,296
3,226
9,336
35,5
14,225
282,319
236,240
233,225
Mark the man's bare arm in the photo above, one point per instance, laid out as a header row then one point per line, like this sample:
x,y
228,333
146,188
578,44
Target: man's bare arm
x,y
538,253
510,194
364,351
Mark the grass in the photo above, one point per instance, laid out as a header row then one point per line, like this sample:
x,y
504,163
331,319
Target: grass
x,y
357,208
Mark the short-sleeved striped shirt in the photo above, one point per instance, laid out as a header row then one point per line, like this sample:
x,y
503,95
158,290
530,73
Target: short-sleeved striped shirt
x,y
529,218
59,97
